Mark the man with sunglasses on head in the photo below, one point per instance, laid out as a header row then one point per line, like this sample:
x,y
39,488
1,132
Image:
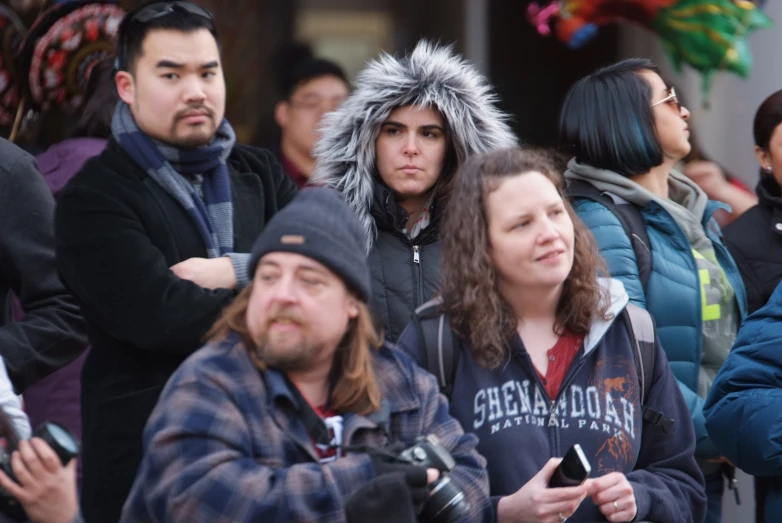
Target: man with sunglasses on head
x,y
153,235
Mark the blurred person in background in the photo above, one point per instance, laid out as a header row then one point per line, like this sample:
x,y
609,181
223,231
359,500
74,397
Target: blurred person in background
x,y
755,241
312,87
57,397
44,331
718,184
44,487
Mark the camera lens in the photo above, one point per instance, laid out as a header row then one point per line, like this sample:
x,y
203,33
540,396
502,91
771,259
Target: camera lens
x,y
446,503
60,440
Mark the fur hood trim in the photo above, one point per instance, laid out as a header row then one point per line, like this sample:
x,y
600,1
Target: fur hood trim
x,y
432,76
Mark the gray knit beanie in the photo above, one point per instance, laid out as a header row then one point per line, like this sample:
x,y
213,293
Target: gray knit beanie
x,y
318,224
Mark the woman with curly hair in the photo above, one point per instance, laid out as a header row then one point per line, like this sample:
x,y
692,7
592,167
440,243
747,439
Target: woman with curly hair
x,y
547,356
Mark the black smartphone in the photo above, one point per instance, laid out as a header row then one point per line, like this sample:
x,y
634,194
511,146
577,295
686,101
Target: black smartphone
x,y
573,470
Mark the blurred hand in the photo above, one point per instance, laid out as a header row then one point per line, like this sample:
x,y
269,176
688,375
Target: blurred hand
x,y
209,273
709,177
722,459
536,503
46,489
432,475
614,495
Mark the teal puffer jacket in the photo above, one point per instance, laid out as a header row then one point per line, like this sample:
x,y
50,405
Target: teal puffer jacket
x,y
673,294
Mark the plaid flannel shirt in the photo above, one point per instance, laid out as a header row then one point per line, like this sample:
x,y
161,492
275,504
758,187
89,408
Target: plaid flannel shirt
x,y
225,444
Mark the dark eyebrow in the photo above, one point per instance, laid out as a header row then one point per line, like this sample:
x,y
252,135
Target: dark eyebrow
x,y
430,127
168,64
395,124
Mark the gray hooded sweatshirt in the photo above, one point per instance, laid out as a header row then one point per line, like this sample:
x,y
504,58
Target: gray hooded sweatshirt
x,y
686,204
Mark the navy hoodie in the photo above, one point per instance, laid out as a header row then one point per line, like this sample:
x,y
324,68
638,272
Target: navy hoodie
x,y
598,406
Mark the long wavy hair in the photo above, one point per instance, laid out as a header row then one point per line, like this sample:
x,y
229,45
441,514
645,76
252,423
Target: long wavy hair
x,y
355,387
477,310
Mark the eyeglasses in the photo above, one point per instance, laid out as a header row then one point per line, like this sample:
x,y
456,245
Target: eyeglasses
x,y
159,9
317,104
671,98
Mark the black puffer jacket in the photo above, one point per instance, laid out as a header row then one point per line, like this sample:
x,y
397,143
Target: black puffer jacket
x,y
755,242
405,273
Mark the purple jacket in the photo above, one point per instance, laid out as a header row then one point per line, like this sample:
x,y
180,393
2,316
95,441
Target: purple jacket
x,y
63,160
58,396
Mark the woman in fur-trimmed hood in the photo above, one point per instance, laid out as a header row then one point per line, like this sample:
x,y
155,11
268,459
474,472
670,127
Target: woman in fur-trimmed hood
x,y
392,148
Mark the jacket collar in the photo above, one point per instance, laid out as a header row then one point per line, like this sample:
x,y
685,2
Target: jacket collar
x,y
618,301
390,216
397,397
770,196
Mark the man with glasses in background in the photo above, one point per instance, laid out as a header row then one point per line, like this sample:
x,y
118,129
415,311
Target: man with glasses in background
x,y
313,87
153,235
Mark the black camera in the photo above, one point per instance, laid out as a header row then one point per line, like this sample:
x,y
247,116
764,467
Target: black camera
x,y
446,503
62,443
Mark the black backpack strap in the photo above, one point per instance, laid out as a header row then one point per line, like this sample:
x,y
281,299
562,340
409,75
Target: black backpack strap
x,y
439,345
640,327
629,216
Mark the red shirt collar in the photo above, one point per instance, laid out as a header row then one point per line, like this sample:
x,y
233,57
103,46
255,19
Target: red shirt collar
x,y
293,173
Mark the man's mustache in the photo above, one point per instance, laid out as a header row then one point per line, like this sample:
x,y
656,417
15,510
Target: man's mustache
x,y
290,315
200,108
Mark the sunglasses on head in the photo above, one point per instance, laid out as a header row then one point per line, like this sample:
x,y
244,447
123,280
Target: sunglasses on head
x,y
159,9
156,10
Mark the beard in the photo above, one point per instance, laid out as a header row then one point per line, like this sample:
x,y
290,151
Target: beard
x,y
286,351
286,356
192,136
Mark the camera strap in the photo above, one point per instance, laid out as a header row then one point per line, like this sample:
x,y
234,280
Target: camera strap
x,y
316,427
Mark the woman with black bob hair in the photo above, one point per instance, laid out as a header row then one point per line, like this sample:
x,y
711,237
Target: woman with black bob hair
x,y
625,129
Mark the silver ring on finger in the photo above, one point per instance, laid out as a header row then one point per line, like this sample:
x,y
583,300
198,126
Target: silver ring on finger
x,y
562,518
616,506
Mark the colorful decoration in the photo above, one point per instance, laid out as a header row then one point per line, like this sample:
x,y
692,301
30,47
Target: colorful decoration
x,y
11,31
709,35
61,48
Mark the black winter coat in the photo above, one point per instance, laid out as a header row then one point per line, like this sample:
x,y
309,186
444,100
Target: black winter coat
x,y
117,234
755,242
52,333
405,274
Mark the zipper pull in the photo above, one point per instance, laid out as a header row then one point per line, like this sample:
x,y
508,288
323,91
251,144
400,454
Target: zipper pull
x,y
416,258
552,420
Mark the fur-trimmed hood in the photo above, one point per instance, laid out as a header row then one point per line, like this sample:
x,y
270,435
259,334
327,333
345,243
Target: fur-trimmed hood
x,y
430,76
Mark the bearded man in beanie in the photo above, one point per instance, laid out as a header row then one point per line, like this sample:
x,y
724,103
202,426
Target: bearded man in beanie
x,y
295,409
